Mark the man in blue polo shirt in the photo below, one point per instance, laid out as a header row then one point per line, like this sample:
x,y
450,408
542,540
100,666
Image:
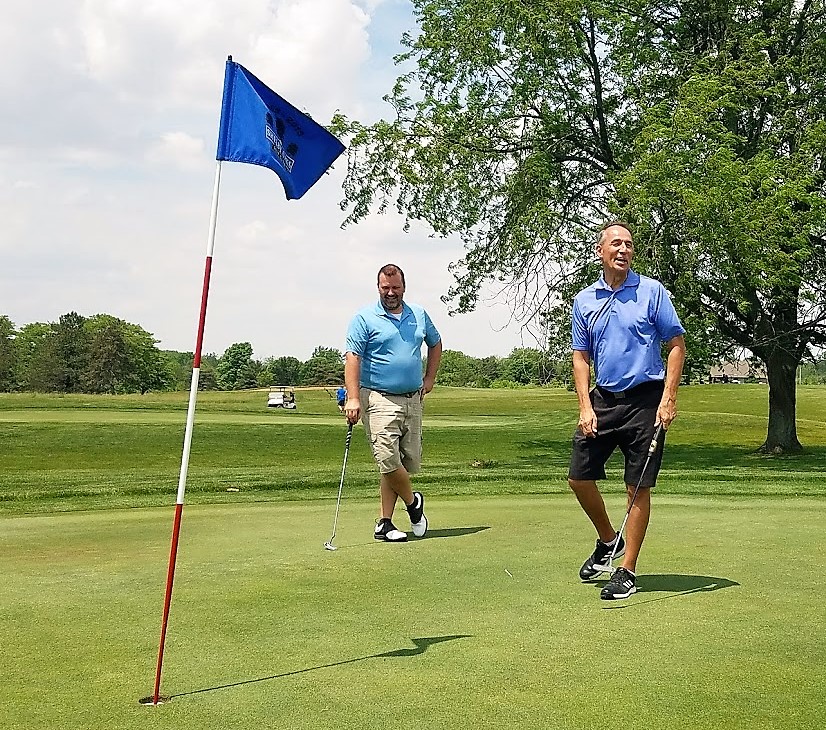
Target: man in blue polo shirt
x,y
385,388
619,324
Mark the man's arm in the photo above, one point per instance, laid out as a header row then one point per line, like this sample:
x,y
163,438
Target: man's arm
x,y
352,372
667,410
434,357
582,382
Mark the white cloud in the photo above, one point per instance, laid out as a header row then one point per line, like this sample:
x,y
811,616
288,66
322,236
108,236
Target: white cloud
x,y
107,174
179,149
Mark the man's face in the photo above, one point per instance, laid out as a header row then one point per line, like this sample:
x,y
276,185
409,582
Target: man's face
x,y
616,249
391,292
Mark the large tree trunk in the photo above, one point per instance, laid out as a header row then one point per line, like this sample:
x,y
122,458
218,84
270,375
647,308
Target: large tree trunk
x,y
781,368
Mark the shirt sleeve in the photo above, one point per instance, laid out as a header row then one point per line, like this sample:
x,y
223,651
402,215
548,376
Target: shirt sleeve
x,y
665,317
579,330
357,336
431,334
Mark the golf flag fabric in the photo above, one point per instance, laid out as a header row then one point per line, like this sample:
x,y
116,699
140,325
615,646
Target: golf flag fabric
x,y
261,128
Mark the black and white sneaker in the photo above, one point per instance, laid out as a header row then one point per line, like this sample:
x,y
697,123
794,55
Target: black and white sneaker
x,y
597,563
416,512
622,584
386,530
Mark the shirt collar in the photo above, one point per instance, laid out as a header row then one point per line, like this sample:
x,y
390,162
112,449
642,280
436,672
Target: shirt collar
x,y
632,280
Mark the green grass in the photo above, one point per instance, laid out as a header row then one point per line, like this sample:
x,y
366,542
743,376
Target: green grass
x,y
481,625
270,630
97,452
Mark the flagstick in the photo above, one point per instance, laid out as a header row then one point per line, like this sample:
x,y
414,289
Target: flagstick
x,y
190,421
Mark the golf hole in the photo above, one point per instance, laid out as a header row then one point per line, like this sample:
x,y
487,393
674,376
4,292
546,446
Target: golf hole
x,y
162,699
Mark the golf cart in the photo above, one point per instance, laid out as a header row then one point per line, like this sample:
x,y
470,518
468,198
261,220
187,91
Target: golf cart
x,y
281,397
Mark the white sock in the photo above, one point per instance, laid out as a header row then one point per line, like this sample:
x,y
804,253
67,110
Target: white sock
x,y
612,543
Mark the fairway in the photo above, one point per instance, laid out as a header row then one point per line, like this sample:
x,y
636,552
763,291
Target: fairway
x,y
481,624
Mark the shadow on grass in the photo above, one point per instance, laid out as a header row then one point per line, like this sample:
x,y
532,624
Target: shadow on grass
x,y
676,585
421,646
455,531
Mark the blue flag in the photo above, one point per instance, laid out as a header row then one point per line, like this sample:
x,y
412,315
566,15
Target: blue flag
x,y
259,127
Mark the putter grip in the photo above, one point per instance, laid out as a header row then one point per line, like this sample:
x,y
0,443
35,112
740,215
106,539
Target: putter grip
x,y
655,440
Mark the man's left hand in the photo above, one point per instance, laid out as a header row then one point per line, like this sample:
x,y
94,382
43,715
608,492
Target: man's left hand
x,y
667,412
427,385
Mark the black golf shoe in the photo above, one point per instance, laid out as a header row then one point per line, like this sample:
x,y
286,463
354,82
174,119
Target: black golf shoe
x,y
386,530
416,512
622,584
597,563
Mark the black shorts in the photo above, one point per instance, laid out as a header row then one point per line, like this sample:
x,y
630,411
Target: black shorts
x,y
625,420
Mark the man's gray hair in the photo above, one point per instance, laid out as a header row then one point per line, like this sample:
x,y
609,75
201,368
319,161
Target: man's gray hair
x,y
605,226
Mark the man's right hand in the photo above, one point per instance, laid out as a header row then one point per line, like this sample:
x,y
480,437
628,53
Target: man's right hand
x,y
588,422
352,410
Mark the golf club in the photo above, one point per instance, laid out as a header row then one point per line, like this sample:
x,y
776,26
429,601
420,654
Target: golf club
x,y
608,567
329,544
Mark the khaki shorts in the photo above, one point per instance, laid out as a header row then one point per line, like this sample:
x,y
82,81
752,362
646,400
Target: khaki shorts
x,y
393,424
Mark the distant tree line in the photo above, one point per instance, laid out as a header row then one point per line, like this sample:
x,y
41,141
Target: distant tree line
x,y
104,354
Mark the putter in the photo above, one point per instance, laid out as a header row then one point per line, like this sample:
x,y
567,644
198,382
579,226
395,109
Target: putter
x,y
608,567
329,544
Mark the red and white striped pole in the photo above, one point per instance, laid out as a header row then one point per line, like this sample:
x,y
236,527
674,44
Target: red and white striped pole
x,y
190,421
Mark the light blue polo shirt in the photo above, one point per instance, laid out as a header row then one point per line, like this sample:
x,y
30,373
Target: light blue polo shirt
x,y
390,348
622,330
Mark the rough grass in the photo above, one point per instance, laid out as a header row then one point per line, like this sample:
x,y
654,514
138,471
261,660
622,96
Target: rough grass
x,y
85,452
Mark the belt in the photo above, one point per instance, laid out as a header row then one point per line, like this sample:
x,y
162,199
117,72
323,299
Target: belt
x,y
647,387
399,395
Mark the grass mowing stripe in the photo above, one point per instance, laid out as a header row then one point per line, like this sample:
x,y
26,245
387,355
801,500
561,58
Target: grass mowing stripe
x,y
268,625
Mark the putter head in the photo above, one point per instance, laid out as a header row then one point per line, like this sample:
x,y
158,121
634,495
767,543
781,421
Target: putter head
x,y
329,546
610,569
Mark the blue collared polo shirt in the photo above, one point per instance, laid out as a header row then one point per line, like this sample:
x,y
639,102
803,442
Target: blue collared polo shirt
x,y
390,348
622,330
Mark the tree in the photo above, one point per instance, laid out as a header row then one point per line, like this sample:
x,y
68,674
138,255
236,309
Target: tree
x,y
123,358
728,182
325,367
8,355
456,369
71,349
522,126
528,366
179,367
280,371
147,369
108,362
31,344
236,369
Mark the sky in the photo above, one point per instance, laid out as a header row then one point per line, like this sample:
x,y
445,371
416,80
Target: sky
x,y
108,133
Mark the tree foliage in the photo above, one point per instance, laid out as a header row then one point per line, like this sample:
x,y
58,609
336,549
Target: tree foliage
x,y
98,354
8,354
325,366
236,369
522,126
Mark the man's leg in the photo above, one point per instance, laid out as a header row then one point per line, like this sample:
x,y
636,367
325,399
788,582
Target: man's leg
x,y
636,526
593,505
395,483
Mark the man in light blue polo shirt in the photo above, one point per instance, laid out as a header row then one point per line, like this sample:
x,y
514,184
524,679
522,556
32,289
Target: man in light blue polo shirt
x,y
385,388
619,324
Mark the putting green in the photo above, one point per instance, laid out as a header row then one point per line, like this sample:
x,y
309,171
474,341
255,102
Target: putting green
x,y
482,624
